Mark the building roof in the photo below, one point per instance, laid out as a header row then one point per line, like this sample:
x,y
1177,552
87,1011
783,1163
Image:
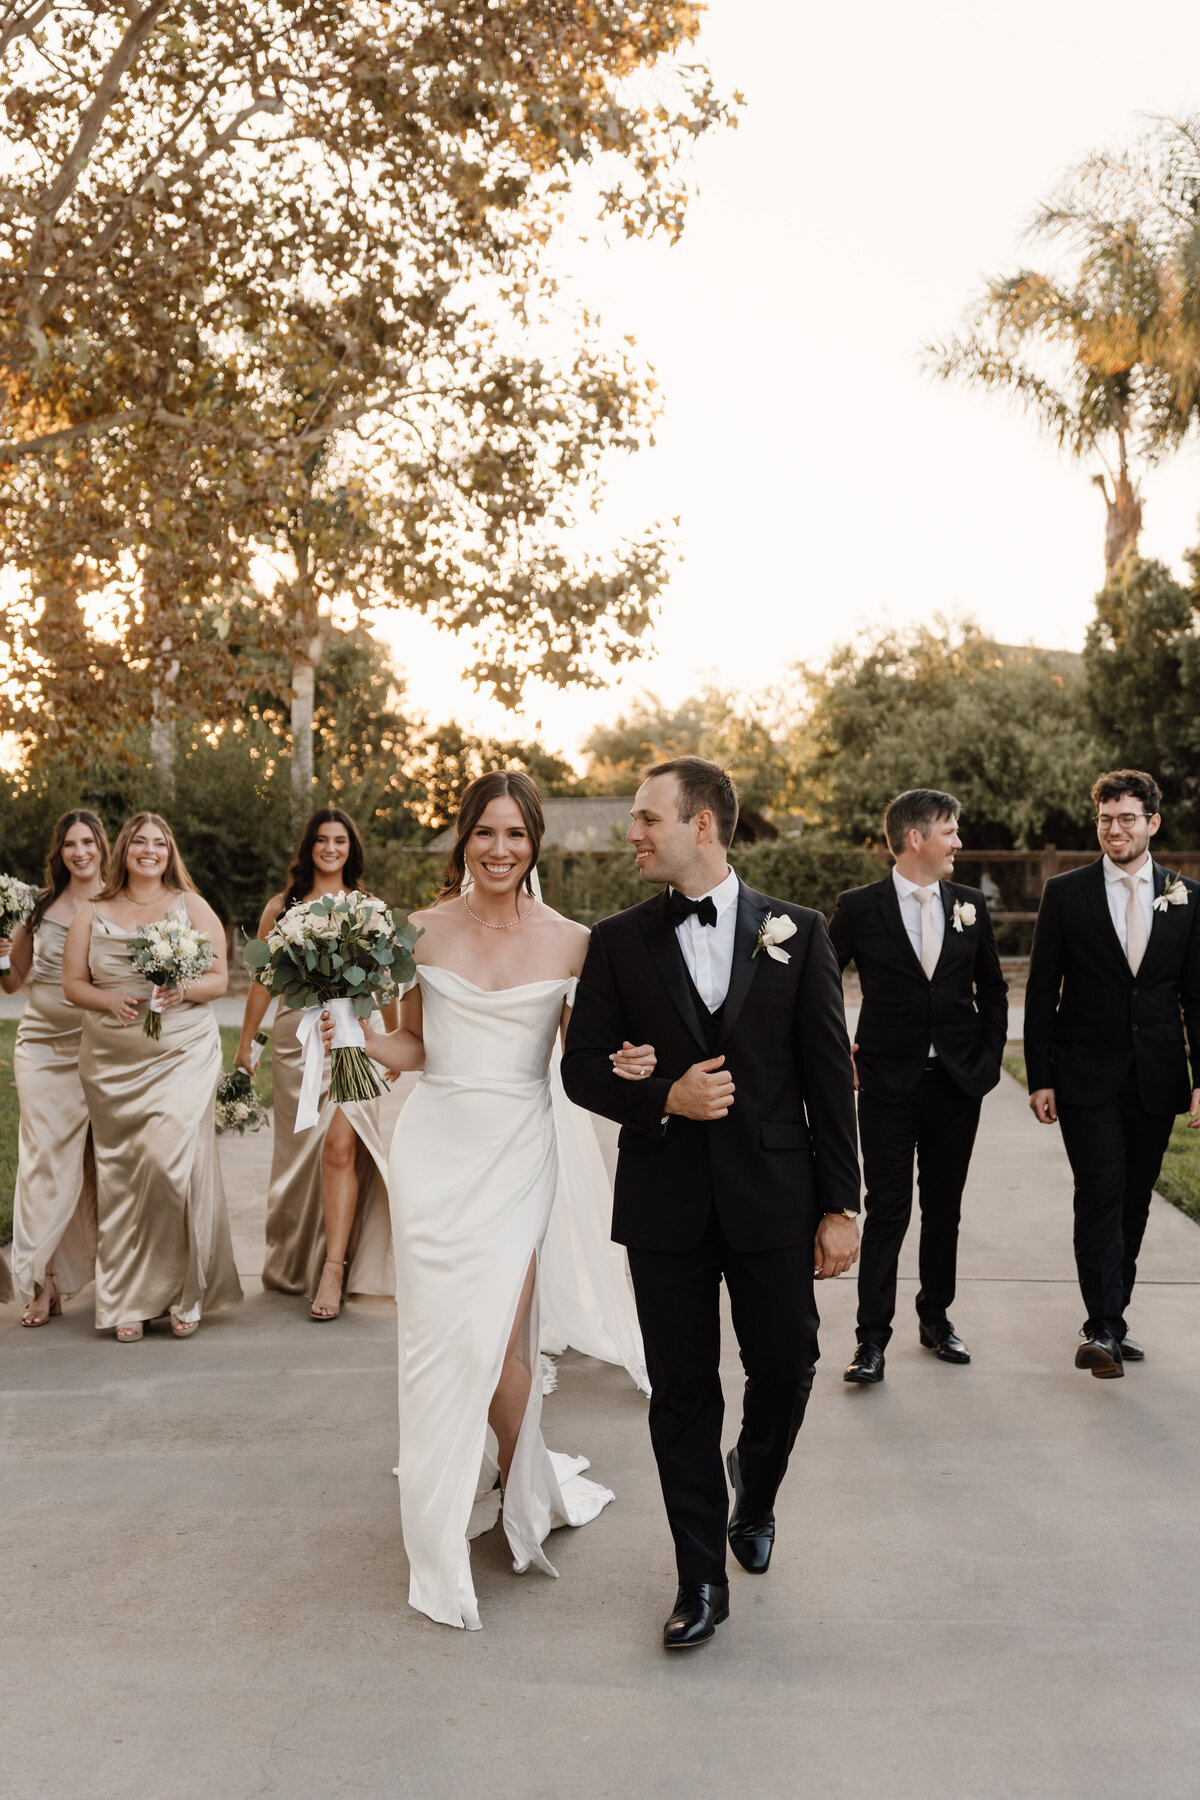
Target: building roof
x,y
583,822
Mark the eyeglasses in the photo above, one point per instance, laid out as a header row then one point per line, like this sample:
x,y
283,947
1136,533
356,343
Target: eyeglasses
x,y
1127,821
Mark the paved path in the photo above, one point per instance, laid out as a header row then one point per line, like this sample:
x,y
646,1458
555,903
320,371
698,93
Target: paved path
x,y
986,1585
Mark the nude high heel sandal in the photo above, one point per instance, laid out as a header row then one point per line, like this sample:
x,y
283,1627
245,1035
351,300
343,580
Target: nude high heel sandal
x,y
54,1311
322,1314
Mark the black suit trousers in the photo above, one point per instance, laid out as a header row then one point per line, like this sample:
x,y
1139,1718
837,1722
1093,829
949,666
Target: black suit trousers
x,y
936,1123
775,1321
1115,1152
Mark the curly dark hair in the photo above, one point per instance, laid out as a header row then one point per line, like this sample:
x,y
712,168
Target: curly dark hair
x,y
1116,783
302,875
57,874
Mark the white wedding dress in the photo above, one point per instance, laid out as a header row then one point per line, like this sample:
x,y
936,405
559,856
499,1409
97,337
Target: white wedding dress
x,y
473,1174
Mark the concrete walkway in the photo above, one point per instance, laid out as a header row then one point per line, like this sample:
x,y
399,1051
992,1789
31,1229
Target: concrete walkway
x,y
986,1585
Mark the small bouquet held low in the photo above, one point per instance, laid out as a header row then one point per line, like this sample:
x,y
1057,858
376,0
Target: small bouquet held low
x,y
17,901
238,1105
168,952
349,954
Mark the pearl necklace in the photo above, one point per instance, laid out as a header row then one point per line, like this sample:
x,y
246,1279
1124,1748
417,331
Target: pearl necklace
x,y
487,924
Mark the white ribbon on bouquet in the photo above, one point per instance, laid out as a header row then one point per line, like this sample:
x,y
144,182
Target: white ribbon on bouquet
x,y
347,1035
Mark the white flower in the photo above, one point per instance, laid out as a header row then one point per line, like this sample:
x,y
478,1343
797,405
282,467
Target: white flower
x,y
964,914
771,934
1174,894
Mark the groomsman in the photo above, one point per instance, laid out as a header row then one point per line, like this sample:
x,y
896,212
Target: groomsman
x,y
1114,976
930,1038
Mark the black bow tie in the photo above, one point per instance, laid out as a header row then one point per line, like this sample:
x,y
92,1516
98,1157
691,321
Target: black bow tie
x,y
679,908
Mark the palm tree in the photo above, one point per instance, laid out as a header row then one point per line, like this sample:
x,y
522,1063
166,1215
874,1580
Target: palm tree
x,y
1103,356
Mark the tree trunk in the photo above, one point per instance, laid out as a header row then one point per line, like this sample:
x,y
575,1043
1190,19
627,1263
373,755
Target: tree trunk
x,y
304,670
1124,523
162,736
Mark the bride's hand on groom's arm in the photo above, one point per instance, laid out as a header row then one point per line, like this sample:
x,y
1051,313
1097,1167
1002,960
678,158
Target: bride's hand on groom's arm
x,y
705,1092
836,1247
634,1062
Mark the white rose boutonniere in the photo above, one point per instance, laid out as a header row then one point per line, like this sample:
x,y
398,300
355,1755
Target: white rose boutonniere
x,y
771,934
964,914
1174,894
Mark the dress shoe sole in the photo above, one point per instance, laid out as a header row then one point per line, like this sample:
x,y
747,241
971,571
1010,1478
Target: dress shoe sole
x,y
1101,1364
858,1378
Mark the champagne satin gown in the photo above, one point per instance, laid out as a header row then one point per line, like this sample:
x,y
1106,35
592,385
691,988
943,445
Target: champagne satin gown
x,y
54,1205
473,1174
163,1242
295,1220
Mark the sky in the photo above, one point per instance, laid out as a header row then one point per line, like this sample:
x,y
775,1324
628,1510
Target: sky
x,y
887,162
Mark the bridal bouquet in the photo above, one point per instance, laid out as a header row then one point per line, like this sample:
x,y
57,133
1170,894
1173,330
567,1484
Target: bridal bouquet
x,y
344,952
168,953
17,901
238,1105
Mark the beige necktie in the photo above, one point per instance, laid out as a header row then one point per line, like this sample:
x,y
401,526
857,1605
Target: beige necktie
x,y
1135,924
929,944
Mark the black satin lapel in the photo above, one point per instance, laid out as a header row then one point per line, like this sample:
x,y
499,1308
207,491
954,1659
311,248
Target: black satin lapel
x,y
889,905
1097,894
750,915
667,958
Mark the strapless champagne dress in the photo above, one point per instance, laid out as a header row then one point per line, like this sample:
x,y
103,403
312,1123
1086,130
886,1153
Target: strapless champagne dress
x,y
295,1220
473,1173
54,1205
163,1241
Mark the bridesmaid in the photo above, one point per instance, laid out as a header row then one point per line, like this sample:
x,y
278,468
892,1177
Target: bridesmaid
x,y
328,1226
163,1244
54,1206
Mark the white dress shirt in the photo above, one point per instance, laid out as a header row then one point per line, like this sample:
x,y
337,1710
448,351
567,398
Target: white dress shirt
x,y
708,949
910,912
1118,895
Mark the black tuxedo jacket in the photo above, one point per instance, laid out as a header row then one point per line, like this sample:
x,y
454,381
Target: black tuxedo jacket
x,y
962,1011
1089,1019
787,1149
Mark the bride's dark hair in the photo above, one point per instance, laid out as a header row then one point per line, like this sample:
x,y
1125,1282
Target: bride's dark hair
x,y
512,784
302,875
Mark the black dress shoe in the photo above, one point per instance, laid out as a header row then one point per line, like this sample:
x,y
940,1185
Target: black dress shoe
x,y
700,1606
944,1342
865,1365
1099,1352
1131,1352
751,1531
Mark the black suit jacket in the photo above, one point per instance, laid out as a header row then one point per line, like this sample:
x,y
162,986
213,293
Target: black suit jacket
x,y
787,1149
1089,1019
962,1011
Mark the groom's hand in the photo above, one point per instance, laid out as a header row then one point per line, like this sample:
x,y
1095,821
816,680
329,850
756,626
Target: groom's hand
x,y
836,1246
1043,1107
705,1092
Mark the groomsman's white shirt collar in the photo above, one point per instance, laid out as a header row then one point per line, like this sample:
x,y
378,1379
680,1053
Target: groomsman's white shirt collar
x,y
1118,895
910,912
708,949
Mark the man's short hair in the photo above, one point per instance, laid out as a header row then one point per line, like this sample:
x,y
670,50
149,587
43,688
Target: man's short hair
x,y
917,810
1135,782
703,785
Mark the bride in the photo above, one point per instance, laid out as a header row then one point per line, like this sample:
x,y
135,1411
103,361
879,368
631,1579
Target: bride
x,y
473,1174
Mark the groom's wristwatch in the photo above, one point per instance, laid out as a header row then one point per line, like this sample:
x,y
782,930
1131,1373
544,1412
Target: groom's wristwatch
x,y
838,1212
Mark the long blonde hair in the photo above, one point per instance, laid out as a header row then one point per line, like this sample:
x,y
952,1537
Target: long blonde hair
x,y
175,874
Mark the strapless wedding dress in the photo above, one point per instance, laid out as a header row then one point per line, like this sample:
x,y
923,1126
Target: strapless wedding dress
x,y
473,1172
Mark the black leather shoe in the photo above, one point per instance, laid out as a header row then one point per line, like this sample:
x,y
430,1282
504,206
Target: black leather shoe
x,y
1131,1352
1099,1352
944,1342
751,1533
700,1606
865,1365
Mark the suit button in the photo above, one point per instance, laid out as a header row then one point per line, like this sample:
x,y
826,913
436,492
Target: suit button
x,y
1135,1028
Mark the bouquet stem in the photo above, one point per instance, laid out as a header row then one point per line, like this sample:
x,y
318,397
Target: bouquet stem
x,y
153,1026
351,1076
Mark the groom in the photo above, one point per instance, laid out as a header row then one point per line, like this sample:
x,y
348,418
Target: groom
x,y
737,1161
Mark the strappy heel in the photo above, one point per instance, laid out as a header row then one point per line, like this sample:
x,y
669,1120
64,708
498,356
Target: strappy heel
x,y
322,1315
53,1312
